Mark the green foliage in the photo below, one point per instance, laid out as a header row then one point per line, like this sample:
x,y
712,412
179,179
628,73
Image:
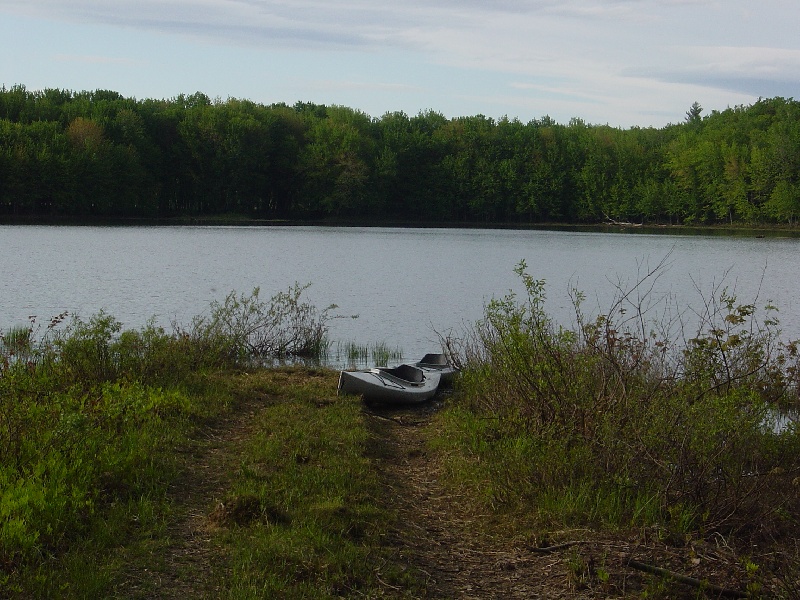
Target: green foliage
x,y
618,422
86,354
99,155
243,326
90,416
66,455
85,350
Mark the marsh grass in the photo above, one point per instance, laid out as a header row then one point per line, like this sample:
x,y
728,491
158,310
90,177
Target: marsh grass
x,y
382,354
17,341
354,355
615,423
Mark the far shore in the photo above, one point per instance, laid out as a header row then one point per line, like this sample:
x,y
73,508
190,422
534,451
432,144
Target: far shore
x,y
745,230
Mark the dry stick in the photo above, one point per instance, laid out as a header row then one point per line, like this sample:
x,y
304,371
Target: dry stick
x,y
557,547
724,592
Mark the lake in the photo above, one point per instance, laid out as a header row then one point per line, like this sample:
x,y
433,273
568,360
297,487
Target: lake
x,y
405,285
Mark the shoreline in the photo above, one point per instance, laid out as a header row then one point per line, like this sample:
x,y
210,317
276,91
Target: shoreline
x,y
753,230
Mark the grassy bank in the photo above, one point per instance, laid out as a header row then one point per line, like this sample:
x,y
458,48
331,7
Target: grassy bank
x,y
628,424
304,516
296,514
112,441
165,464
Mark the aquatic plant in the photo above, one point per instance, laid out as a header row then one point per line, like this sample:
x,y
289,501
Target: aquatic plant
x,y
382,353
355,355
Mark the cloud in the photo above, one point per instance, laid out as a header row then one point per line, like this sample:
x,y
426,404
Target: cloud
x,y
97,60
615,58
328,85
747,60
338,23
233,22
758,71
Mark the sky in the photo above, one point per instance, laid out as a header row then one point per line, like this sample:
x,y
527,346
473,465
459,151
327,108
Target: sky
x,y
626,63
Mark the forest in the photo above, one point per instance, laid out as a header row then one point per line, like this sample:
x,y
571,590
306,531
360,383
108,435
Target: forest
x,y
98,155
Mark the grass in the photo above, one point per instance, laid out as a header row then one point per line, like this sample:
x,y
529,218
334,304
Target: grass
x,y
101,429
614,425
86,475
354,355
111,439
303,500
298,514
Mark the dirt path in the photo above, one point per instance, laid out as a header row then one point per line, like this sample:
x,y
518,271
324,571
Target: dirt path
x,y
189,564
438,536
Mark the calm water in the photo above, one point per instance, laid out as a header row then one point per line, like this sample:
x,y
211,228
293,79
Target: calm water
x,y
405,284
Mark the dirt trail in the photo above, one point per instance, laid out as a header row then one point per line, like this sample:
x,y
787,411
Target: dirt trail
x,y
439,537
190,564
436,535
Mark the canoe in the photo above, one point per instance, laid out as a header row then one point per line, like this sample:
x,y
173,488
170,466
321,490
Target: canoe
x,y
398,385
438,363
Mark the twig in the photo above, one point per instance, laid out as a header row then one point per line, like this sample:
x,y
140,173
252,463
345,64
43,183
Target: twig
x,y
382,582
704,585
557,547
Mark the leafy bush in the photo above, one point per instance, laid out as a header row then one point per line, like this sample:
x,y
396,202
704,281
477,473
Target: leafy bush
x,y
244,326
624,414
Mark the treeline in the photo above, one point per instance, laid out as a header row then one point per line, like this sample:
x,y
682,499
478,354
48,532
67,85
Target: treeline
x,y
99,154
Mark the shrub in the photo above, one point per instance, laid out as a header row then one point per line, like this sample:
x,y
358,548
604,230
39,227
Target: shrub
x,y
620,408
243,326
84,349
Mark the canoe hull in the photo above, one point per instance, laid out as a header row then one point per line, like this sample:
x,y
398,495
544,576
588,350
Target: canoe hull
x,y
438,363
379,385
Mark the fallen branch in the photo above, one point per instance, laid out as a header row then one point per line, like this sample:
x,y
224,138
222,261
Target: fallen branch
x,y
704,585
557,547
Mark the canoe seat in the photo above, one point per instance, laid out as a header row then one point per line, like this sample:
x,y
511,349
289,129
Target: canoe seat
x,y
434,360
407,372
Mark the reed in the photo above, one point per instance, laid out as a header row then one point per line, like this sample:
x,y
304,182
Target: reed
x,y
16,340
382,354
354,355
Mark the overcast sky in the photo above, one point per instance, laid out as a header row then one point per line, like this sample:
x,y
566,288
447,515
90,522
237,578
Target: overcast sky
x,y
622,62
